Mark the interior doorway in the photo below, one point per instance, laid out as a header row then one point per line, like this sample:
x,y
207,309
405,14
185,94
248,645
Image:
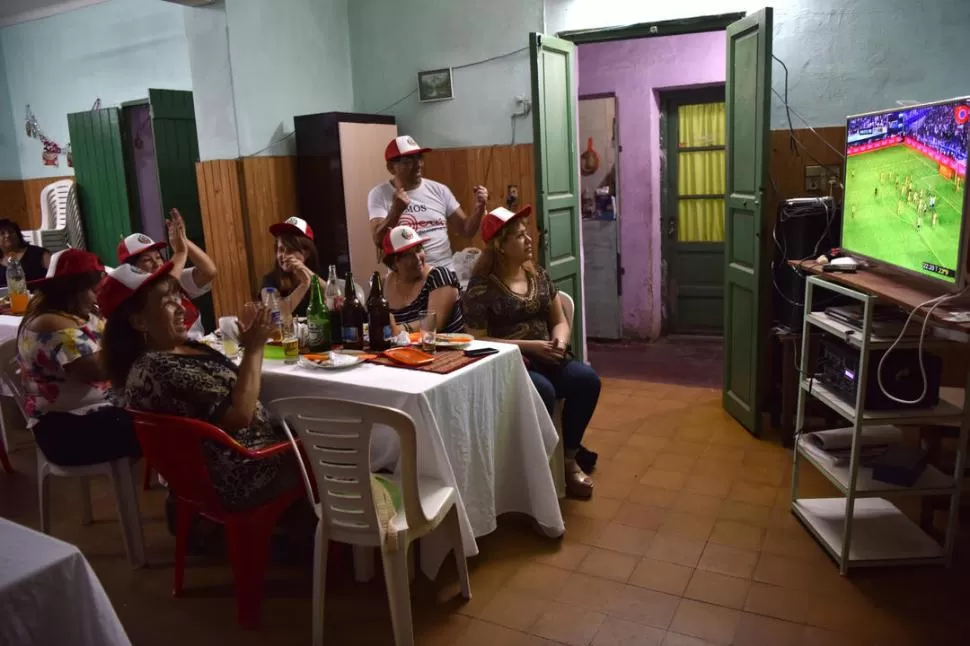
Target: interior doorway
x,y
142,170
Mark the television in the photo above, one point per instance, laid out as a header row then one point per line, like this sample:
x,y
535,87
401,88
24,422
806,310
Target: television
x,y
905,189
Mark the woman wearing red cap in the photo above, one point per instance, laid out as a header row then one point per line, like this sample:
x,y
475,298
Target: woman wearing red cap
x,y
66,385
511,300
141,251
296,263
157,369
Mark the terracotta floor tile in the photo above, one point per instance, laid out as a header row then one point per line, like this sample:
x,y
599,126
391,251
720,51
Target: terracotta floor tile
x,y
568,556
483,633
657,428
701,434
723,453
596,436
812,636
626,539
770,475
743,512
676,549
752,493
661,576
608,564
514,609
695,503
683,447
597,507
583,530
544,581
618,632
708,485
781,603
755,630
789,573
590,592
647,443
728,560
735,534
718,589
664,479
566,624
667,461
632,460
687,525
647,607
611,485
642,516
713,623
713,467
678,639
793,543
648,495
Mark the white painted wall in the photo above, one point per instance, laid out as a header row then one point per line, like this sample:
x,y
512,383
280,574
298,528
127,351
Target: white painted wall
x,y
392,41
114,50
9,160
289,57
207,34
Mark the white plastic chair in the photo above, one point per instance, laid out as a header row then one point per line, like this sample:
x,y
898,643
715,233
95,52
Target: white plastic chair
x,y
120,471
558,461
464,261
336,437
60,219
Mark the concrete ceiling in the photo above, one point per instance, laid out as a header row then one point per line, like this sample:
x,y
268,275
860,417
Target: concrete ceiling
x,y
14,11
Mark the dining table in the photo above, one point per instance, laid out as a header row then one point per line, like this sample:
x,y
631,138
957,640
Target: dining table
x,y
482,429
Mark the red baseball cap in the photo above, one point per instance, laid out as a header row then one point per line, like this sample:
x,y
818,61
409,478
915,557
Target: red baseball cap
x,y
400,239
495,219
403,146
136,244
69,262
293,225
123,282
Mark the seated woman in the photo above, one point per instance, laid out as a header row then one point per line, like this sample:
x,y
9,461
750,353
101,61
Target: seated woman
x,y
66,385
33,259
296,263
511,300
414,286
141,251
158,369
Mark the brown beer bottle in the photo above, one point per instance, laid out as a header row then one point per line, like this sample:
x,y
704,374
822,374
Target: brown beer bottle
x,y
352,316
378,316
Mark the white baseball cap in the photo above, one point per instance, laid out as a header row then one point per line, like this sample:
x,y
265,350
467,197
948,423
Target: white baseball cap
x,y
403,146
401,238
292,225
135,244
495,219
123,282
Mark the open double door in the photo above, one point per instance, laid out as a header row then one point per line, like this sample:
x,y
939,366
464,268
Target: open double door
x,y
748,98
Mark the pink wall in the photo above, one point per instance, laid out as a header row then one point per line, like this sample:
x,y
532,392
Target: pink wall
x,y
635,71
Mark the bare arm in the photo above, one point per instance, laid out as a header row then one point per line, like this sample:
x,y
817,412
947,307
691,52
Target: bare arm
x,y
380,226
526,346
245,394
203,268
87,368
558,325
442,302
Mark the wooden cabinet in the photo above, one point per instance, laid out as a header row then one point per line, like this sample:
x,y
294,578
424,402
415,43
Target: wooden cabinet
x,y
340,157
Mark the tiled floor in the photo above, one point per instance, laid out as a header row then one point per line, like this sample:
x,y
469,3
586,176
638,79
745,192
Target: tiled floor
x,y
687,542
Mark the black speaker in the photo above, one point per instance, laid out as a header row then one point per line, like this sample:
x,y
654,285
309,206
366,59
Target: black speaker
x,y
804,229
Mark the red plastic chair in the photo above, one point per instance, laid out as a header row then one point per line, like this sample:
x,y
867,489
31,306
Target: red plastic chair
x,y
4,460
173,447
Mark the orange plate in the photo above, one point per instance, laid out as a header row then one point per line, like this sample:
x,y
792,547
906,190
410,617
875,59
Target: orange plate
x,y
415,337
455,338
320,356
409,356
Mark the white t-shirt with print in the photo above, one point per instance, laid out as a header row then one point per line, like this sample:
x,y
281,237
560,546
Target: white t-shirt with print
x,y
193,291
432,203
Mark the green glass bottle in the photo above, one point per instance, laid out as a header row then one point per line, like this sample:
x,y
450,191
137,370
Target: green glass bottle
x,y
317,319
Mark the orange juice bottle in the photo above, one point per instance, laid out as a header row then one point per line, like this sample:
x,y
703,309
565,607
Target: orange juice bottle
x,y
17,287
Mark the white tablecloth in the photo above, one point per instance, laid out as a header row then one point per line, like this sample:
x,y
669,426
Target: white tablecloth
x,y
8,326
482,429
50,595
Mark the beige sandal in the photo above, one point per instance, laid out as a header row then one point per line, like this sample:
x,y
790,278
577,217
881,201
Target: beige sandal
x,y
578,484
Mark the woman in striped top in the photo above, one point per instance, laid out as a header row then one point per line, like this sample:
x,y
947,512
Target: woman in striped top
x,y
414,286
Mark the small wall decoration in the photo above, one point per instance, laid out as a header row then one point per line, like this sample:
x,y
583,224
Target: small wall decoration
x,y
435,85
51,149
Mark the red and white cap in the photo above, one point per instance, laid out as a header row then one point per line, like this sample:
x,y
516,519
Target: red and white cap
x,y
495,219
123,282
292,225
400,239
135,244
69,262
403,146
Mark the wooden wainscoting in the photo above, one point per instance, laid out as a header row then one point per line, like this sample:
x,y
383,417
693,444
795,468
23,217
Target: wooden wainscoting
x,y
788,167
221,202
21,199
496,167
269,186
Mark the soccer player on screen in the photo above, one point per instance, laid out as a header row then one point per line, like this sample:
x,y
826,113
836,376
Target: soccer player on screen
x,y
935,219
919,221
875,192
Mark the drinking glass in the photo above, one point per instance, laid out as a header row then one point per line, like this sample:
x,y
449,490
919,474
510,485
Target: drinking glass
x,y
429,325
229,328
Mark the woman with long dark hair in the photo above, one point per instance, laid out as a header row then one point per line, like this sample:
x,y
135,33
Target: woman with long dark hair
x,y
13,245
296,264
511,300
64,376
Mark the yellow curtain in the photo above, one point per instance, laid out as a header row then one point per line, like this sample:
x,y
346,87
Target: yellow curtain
x,y
701,173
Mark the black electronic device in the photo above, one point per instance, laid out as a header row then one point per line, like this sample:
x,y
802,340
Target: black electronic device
x,y
887,320
805,228
838,370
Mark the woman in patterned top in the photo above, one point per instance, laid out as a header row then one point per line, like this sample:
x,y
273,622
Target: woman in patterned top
x,y
159,370
510,300
414,286
66,385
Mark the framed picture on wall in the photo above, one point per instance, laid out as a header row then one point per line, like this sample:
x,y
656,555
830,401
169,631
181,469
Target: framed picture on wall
x,y
435,85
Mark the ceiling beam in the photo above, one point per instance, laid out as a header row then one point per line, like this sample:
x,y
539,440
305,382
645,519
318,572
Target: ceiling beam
x,y
44,12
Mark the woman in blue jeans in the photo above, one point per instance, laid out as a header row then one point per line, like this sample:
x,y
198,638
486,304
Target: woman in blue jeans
x,y
511,300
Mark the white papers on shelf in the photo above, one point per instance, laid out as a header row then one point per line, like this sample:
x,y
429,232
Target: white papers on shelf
x,y
841,438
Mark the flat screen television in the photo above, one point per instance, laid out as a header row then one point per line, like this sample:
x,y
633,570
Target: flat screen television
x,y
905,189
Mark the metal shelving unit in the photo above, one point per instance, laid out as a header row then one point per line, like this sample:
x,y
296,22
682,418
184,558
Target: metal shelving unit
x,y
861,528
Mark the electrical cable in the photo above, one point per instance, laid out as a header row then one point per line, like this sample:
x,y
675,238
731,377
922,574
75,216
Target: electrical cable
x,y
272,145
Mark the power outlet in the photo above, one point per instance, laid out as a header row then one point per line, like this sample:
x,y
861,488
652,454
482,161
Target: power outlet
x,y
817,178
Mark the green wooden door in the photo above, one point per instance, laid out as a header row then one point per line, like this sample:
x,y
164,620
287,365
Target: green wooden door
x,y
748,94
557,206
99,169
692,218
176,152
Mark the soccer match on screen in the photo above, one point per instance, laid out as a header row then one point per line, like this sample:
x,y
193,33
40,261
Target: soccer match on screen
x,y
904,187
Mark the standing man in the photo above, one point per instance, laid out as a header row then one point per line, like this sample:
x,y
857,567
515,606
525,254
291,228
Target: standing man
x,y
427,206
